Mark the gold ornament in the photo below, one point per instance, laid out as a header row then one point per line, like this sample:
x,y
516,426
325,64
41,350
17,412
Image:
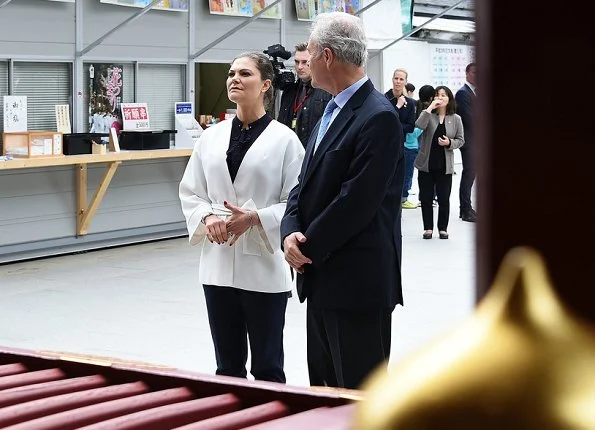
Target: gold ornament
x,y
521,361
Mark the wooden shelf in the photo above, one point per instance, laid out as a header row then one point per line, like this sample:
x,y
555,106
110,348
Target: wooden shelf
x,y
86,209
26,163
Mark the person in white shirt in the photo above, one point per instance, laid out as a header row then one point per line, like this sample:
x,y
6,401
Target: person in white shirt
x,y
233,196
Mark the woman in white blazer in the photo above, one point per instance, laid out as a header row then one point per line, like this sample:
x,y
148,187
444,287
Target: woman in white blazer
x,y
442,134
233,196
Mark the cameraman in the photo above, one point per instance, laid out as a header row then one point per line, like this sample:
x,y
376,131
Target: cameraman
x,y
301,105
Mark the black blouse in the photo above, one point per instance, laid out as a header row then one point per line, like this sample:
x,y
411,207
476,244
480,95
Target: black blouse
x,y
241,140
437,155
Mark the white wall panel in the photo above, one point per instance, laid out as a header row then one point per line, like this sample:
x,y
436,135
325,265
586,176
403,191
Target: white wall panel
x,y
411,55
156,34
37,28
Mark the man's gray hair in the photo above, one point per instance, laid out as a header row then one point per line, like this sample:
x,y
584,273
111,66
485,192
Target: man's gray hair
x,y
343,34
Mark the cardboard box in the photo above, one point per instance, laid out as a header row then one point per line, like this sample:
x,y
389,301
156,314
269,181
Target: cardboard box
x,y
30,144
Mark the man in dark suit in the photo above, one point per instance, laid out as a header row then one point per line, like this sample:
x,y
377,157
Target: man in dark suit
x,y
342,226
465,98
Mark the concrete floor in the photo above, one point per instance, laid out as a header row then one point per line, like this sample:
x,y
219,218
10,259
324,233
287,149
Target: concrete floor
x,y
143,302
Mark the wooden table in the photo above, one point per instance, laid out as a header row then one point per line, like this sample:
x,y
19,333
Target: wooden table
x,y
87,209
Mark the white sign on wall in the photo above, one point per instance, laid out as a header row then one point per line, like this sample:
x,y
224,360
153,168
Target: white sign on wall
x,y
15,114
63,119
448,64
135,116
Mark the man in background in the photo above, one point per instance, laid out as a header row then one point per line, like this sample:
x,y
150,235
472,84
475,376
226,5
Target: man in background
x,y
301,105
405,107
465,98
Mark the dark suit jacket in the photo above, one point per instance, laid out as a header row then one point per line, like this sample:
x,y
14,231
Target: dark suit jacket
x,y
348,205
465,98
406,113
308,115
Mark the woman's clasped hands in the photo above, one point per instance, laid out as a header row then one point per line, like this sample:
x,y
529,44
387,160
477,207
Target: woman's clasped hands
x,y
220,231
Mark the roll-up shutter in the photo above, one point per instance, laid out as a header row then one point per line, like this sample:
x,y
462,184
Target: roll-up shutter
x,y
128,89
3,92
45,85
160,86
128,79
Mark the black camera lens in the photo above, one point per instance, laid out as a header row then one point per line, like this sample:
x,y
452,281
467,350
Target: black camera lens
x,y
283,78
278,50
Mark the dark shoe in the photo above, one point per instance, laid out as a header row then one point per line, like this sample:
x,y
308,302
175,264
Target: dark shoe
x,y
469,216
467,211
443,235
427,234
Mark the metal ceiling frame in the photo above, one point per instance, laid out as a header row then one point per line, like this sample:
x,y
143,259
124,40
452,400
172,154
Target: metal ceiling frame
x,y
429,8
124,23
416,29
365,8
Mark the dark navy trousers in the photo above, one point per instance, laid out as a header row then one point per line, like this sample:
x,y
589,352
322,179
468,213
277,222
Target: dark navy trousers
x,y
237,317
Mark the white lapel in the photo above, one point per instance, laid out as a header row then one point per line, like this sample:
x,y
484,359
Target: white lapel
x,y
218,146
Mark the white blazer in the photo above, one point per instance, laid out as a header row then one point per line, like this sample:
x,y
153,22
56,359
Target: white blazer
x,y
267,174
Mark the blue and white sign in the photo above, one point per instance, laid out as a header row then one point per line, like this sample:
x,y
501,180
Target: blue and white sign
x,y
184,108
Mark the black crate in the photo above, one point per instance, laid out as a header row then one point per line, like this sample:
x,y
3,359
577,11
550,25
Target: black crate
x,y
81,143
145,140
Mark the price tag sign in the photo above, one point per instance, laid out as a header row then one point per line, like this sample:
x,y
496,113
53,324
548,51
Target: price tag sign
x,y
135,116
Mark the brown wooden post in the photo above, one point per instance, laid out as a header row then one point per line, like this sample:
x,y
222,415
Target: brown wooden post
x,y
536,141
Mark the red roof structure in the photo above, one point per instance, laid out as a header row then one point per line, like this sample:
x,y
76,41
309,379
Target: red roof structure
x,y
49,390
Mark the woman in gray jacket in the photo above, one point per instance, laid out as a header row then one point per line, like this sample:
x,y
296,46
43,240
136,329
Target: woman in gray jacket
x,y
442,134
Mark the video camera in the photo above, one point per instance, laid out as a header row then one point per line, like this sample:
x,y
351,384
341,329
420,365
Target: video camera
x,y
284,78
